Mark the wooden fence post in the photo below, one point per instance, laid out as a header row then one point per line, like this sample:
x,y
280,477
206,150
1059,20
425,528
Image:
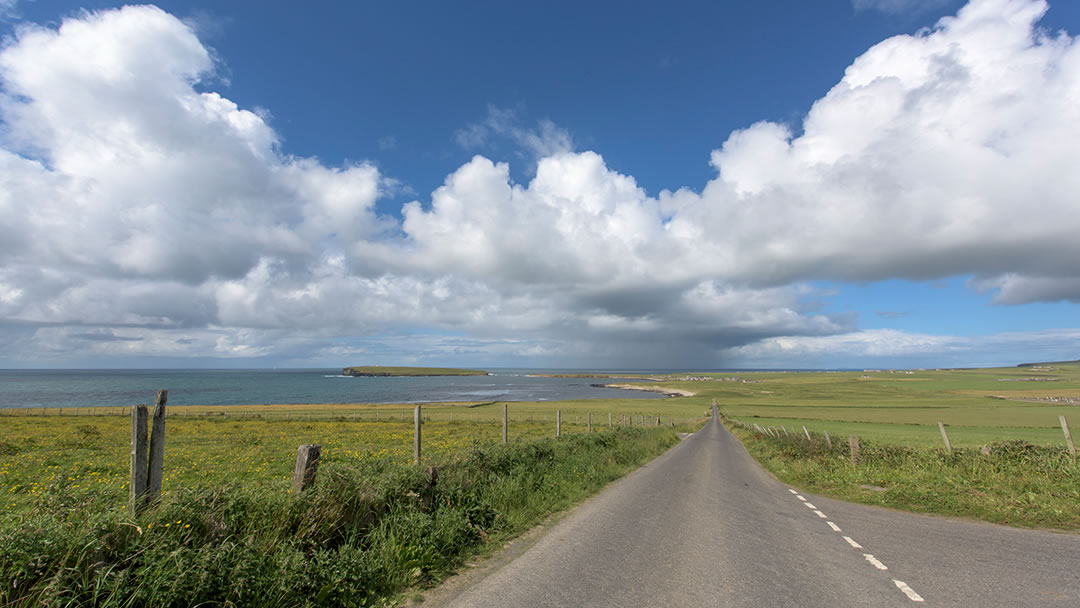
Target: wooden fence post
x,y
137,484
506,424
784,428
156,467
609,425
416,434
945,437
307,464
853,443
807,434
558,423
588,422
828,441
1068,437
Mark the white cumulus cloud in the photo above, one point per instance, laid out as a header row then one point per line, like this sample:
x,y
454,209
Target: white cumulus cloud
x,y
146,213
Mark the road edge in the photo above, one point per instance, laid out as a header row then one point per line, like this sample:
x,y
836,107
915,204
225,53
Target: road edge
x,y
481,567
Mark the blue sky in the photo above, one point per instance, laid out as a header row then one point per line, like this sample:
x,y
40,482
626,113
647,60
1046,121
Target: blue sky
x,y
603,184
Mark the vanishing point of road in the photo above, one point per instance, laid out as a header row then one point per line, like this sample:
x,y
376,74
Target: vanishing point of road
x,y
705,525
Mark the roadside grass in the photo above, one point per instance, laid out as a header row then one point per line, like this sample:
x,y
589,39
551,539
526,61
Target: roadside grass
x,y
371,527
1018,483
914,435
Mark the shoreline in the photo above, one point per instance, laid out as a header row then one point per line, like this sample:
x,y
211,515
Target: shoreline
x,y
670,392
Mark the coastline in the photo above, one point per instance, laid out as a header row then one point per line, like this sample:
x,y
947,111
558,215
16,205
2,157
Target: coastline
x,y
670,392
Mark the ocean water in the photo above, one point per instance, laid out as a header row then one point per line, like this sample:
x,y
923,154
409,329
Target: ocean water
x,y
87,388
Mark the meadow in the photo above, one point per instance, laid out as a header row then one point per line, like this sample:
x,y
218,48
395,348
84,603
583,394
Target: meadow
x,y
209,446
227,529
977,406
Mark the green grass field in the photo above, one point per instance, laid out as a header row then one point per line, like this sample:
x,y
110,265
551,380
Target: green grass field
x,y
227,530
977,406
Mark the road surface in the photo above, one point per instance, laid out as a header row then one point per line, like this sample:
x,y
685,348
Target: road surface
x,y
705,525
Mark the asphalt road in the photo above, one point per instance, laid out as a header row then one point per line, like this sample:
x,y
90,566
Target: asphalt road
x,y
704,525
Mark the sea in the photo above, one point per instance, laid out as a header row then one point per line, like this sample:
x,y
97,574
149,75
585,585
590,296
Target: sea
x,y
92,388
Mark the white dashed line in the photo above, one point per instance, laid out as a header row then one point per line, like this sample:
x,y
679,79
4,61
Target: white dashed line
x,y
908,591
901,585
852,542
875,561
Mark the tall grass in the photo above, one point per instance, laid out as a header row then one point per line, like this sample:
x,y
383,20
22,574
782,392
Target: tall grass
x,y
1016,483
363,533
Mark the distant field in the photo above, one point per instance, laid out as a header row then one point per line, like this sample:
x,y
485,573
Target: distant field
x,y
977,405
378,370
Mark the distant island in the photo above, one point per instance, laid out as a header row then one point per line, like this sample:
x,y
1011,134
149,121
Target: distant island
x,y
1047,363
379,370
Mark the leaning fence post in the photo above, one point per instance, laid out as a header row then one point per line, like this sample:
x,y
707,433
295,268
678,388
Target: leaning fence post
x,y
945,437
506,424
807,434
828,441
1068,437
558,423
853,443
137,484
307,464
416,434
157,448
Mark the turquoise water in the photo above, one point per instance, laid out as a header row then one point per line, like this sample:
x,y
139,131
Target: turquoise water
x,y
82,388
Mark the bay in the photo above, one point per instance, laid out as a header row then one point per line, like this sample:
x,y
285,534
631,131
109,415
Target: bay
x,y
95,388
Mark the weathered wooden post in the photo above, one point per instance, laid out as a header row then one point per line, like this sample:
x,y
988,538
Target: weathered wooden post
x,y
307,464
558,423
853,443
828,441
609,425
945,437
588,423
807,433
784,428
156,467
506,424
137,485
416,434
1068,437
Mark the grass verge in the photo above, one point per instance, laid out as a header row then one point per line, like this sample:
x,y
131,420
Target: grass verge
x,y
1018,483
366,531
